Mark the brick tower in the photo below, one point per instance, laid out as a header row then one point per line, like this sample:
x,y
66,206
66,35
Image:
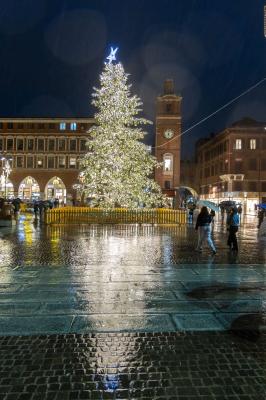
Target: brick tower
x,y
167,143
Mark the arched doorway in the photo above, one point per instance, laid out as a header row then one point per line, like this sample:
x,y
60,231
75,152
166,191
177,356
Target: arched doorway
x,y
29,189
55,189
6,188
187,195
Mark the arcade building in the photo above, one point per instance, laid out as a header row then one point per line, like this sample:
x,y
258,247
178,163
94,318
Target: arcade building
x,y
43,154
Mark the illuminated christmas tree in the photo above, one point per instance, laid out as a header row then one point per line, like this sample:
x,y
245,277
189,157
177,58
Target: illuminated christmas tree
x,y
116,171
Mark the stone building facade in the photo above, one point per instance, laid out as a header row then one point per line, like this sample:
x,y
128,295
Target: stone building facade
x,y
232,164
44,156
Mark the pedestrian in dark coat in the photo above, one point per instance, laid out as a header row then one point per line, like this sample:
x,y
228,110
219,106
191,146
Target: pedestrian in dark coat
x,y
260,217
232,227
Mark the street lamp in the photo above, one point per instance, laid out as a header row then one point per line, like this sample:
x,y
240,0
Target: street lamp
x,y
6,171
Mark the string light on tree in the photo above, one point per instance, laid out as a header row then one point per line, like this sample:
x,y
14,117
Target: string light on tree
x,y
117,169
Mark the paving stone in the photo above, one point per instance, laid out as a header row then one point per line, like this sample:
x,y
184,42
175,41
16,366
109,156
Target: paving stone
x,y
198,322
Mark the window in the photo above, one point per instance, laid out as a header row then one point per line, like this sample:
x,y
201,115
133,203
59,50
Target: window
x,y
263,164
20,145
20,126
40,126
238,186
10,125
167,184
51,144
73,126
168,108
31,126
62,126
83,145
51,162
207,172
9,144
1,125
30,144
238,144
29,162
51,126
61,144
252,144
252,186
19,162
62,161
238,166
252,165
72,145
72,162
264,143
40,144
1,144
40,162
168,163
263,186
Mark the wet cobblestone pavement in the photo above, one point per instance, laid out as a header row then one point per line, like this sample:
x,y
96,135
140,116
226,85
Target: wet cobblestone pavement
x,y
93,303
181,366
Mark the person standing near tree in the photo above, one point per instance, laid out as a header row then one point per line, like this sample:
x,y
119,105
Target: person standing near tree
x,y
203,226
232,227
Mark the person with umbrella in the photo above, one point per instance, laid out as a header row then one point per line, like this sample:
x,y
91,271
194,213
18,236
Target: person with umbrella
x,y
203,226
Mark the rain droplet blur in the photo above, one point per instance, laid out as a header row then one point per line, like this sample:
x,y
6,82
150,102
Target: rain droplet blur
x,y
77,37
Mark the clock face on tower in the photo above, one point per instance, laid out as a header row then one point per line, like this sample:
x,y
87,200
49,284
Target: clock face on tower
x,y
168,133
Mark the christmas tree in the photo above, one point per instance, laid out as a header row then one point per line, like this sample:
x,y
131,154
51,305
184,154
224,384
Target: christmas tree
x,y
116,171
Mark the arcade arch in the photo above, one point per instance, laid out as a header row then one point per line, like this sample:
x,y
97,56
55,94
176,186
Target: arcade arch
x,y
29,189
186,194
55,189
188,191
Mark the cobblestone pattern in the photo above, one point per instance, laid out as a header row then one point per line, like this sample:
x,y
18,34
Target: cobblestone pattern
x,y
184,366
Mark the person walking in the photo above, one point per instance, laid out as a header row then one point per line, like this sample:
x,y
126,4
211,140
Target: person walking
x,y
239,210
232,227
260,217
190,215
203,226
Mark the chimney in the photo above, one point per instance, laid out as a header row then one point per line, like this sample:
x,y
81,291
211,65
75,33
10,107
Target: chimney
x,y
169,86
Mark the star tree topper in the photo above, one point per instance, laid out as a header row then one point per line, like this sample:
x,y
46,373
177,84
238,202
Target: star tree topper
x,y
112,56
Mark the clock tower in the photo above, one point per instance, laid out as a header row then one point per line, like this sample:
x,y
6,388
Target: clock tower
x,y
168,140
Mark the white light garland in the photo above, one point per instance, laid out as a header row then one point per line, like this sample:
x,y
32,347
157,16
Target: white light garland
x,y
117,169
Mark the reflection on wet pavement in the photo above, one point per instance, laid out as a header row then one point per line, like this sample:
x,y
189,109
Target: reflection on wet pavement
x,y
80,279
150,366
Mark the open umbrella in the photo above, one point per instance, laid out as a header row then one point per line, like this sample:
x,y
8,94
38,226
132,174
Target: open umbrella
x,y
208,204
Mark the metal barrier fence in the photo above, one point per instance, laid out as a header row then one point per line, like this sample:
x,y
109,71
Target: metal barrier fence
x,y
87,215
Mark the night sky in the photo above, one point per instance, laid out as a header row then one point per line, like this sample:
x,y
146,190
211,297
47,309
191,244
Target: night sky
x,y
52,52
